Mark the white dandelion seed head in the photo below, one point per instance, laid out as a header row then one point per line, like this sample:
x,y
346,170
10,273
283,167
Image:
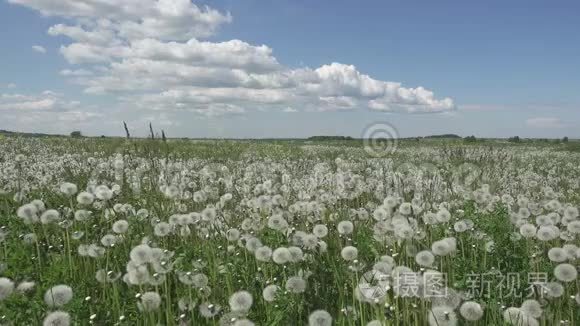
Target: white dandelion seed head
x,y
85,198
320,318
566,273
532,307
471,310
150,301
120,226
263,253
269,292
349,253
6,288
295,284
241,301
345,227
58,295
425,258
281,255
57,318
68,189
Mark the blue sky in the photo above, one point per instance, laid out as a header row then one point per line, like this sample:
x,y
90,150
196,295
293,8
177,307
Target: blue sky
x,y
493,68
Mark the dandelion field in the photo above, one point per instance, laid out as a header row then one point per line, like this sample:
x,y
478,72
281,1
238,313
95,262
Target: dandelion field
x,y
144,232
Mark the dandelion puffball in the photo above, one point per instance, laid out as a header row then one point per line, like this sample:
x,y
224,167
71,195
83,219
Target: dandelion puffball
x,y
58,295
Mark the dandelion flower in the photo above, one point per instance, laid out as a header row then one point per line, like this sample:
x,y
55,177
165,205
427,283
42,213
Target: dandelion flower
x,y
566,273
241,301
349,253
56,318
68,189
141,254
263,253
85,198
6,288
281,255
425,258
150,301
345,227
295,284
320,231
440,248
58,295
120,226
532,308
528,230
25,287
557,255
269,292
319,318
471,311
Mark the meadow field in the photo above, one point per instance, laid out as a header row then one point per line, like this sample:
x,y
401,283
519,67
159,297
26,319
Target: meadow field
x,y
112,231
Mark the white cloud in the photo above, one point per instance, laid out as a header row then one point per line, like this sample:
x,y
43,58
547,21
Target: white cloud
x,y
76,73
135,19
39,49
149,54
545,123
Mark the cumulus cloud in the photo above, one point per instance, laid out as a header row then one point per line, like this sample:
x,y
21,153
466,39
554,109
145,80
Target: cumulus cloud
x,y
150,54
39,49
545,123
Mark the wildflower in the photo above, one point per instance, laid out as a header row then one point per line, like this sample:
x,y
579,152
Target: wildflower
x,y
120,226
28,213
281,255
528,230
150,301
557,255
24,287
532,308
85,198
320,230
68,189
141,254
440,248
56,318
319,318
349,253
208,310
263,253
162,229
345,227
50,216
58,296
471,311
554,289
6,288
566,273
425,258
241,301
269,292
574,227
295,284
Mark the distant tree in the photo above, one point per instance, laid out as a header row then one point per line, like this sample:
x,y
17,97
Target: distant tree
x,y
126,130
152,134
76,134
470,139
515,139
163,135
565,139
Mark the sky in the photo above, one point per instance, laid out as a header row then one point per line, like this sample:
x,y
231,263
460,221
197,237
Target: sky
x,y
291,68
